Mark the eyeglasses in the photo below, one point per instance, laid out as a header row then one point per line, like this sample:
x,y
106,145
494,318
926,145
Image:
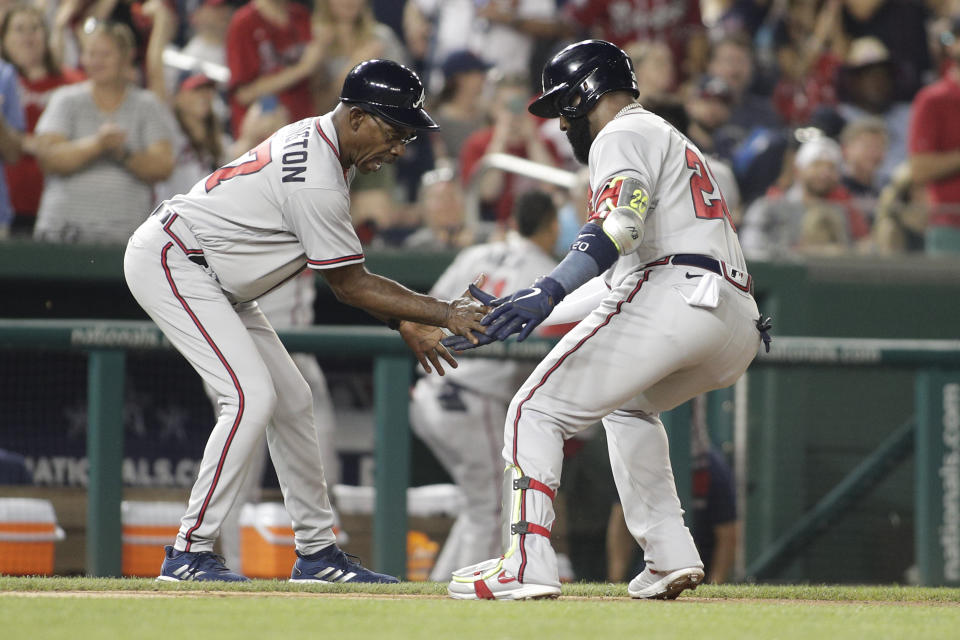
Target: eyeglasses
x,y
391,135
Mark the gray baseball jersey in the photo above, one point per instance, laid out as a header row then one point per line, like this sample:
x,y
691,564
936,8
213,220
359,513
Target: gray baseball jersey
x,y
687,212
197,265
283,205
678,321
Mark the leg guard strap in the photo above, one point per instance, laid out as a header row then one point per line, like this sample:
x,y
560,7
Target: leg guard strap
x,y
526,482
523,527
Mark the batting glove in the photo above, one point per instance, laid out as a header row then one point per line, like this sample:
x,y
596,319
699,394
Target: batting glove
x,y
482,296
460,343
524,310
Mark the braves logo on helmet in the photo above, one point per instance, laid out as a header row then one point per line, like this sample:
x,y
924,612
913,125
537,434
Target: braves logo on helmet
x,y
390,90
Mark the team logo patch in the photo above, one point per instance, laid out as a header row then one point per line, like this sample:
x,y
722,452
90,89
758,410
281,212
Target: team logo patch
x,y
738,278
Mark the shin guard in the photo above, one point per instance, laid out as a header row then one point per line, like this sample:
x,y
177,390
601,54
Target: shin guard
x,y
528,503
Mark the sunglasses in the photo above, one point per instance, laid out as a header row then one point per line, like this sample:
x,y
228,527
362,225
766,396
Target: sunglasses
x,y
391,135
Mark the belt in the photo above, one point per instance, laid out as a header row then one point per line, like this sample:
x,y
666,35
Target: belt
x,y
738,278
697,260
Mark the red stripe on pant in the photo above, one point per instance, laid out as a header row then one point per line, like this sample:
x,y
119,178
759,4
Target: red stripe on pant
x,y
543,380
233,377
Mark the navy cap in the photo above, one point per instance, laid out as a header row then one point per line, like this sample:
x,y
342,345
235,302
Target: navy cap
x,y
463,61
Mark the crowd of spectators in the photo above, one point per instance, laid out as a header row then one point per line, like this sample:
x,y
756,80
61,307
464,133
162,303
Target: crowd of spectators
x,y
830,124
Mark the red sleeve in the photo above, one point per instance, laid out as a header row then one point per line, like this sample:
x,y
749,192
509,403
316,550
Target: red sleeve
x,y
242,55
72,75
923,134
473,150
301,20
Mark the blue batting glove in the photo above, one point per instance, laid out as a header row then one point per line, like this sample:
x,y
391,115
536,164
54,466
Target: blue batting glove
x,y
460,343
524,310
482,296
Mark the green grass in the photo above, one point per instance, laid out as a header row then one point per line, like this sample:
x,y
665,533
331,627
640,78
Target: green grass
x,y
599,611
856,593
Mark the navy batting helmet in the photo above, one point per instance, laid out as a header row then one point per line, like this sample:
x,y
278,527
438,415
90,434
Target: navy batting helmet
x,y
390,90
586,69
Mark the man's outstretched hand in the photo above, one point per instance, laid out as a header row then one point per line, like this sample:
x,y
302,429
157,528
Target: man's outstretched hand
x,y
524,310
520,312
464,318
424,341
460,343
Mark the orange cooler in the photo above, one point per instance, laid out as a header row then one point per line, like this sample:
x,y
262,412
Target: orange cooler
x,y
147,528
266,541
28,529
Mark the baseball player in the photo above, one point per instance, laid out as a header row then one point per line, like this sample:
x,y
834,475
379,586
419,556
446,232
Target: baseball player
x,y
199,263
460,416
678,319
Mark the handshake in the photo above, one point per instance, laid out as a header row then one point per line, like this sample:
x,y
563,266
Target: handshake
x,y
520,313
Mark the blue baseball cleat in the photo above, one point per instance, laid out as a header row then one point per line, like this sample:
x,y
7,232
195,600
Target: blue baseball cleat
x,y
201,566
331,565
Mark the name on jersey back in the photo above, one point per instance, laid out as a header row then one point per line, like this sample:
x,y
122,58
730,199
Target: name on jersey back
x,y
294,159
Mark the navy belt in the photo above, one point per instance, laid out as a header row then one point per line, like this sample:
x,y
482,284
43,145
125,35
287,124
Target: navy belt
x,y
697,260
739,279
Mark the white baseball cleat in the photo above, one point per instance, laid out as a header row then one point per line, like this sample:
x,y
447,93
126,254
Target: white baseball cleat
x,y
664,585
488,580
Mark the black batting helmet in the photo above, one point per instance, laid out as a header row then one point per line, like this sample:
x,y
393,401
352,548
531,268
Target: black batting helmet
x,y
586,69
390,90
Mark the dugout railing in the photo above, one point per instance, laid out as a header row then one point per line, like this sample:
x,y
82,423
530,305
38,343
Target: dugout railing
x,y
933,434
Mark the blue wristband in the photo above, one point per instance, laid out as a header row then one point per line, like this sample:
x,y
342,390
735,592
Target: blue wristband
x,y
590,255
595,243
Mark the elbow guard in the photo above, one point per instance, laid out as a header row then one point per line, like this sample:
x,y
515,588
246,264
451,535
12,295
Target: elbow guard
x,y
624,227
621,210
